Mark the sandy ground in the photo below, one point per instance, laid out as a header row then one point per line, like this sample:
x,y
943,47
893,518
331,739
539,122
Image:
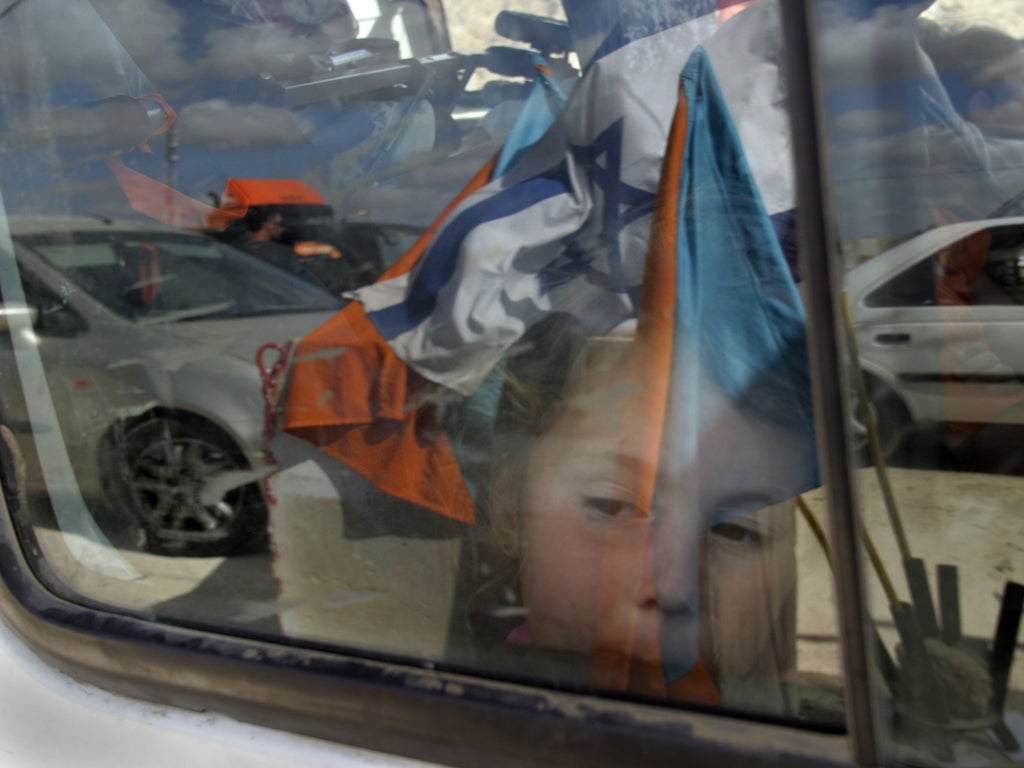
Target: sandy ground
x,y
971,521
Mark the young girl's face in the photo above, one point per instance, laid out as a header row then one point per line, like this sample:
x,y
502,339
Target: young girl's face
x,y
706,574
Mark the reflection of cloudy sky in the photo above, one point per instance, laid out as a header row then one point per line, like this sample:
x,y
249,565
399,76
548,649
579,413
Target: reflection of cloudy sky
x,y
221,123
244,51
892,153
151,32
206,62
1007,15
890,158
856,123
176,42
83,59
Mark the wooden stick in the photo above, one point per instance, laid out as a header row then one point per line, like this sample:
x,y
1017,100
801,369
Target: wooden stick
x,y
869,545
1005,641
876,447
949,603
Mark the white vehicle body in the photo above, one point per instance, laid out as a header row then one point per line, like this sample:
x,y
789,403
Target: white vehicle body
x,y
947,359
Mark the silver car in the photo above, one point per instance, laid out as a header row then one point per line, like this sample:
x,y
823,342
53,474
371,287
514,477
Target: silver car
x,y
939,324
148,338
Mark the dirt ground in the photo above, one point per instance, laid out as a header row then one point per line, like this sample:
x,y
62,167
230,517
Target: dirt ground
x,y
968,520
471,22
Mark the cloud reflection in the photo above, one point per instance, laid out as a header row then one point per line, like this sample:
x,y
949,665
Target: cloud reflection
x,y
218,123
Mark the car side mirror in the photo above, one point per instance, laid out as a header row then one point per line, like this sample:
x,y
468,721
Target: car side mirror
x,y
9,311
58,320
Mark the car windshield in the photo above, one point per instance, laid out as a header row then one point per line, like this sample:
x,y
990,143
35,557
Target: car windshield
x,y
154,276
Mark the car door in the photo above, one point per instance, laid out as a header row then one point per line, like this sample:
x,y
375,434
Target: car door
x,y
90,365
939,323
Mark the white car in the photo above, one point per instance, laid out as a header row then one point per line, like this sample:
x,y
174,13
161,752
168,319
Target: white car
x,y
939,324
148,339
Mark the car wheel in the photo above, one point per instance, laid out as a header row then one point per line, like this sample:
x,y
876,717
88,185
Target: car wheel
x,y
167,464
890,415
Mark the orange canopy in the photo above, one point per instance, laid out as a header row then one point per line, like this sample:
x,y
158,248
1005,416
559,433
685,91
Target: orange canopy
x,y
242,194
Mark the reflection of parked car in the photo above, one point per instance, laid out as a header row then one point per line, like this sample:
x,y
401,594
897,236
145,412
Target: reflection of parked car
x,y
148,337
939,321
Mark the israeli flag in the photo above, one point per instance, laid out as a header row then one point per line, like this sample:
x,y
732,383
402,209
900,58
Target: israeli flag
x,y
566,226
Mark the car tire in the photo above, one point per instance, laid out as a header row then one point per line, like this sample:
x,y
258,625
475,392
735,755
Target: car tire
x,y
166,462
892,420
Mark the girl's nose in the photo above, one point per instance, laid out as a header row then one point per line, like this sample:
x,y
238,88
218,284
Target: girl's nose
x,y
675,548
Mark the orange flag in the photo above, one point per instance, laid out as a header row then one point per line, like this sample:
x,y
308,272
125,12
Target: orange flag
x,y
353,397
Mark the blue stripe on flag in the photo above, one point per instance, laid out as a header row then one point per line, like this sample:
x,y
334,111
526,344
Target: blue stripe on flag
x,y
439,263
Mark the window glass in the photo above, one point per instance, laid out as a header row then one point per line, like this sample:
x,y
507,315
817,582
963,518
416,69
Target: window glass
x,y
489,357
986,261
926,144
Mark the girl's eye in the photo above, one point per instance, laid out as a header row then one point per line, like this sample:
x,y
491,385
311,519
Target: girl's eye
x,y
738,532
612,508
